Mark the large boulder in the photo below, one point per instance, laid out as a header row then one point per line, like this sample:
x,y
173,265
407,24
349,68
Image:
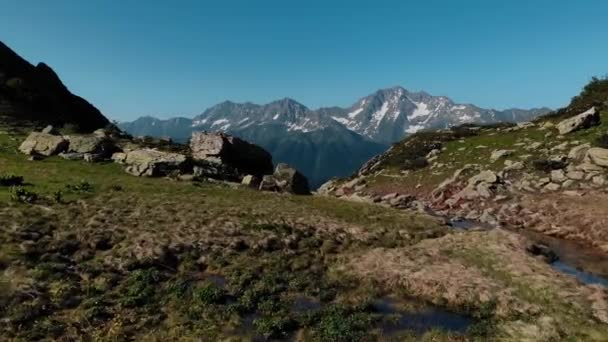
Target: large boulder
x,y
290,180
226,149
41,143
580,121
598,156
154,163
91,144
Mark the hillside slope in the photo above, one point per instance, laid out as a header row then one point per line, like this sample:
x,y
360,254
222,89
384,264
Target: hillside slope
x,y
35,95
524,176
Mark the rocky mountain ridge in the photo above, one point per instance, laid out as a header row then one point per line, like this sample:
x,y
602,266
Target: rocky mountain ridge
x,y
35,95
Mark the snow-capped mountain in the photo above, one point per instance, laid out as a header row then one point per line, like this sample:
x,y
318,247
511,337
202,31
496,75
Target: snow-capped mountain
x,y
389,114
290,114
332,141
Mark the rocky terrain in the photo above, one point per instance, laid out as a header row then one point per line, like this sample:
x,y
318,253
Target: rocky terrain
x,y
547,176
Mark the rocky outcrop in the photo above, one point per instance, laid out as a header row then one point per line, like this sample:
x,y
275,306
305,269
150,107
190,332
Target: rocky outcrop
x,y
222,148
91,144
290,180
580,121
154,163
46,143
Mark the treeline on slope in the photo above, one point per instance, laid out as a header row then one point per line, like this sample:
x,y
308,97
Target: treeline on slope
x,y
595,93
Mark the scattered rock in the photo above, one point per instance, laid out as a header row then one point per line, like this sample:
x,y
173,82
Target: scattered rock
x,y
558,176
552,187
269,183
580,121
154,163
578,153
500,154
223,148
290,180
575,175
486,176
91,144
44,144
251,181
598,156
599,180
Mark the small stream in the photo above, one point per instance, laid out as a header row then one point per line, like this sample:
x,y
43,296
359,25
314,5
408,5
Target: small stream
x,y
587,264
397,320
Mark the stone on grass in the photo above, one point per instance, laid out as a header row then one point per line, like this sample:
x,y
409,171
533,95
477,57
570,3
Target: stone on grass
x,y
584,120
154,163
44,144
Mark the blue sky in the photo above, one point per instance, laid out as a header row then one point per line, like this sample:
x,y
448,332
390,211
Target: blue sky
x,y
168,58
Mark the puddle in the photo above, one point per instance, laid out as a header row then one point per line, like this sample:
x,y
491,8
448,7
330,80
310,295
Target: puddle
x,y
582,276
465,224
397,320
588,265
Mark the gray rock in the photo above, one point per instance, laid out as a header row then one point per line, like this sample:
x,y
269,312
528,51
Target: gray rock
x,y
91,144
486,176
154,163
558,176
290,180
44,144
50,130
72,156
251,181
580,121
511,165
575,175
119,157
598,156
589,167
245,157
500,154
552,187
268,183
568,184
599,180
578,153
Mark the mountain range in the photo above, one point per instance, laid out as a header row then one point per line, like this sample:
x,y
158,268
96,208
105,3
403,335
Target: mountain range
x,y
334,141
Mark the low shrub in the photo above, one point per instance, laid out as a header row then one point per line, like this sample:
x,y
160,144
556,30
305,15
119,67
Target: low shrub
x,y
19,194
82,186
10,180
